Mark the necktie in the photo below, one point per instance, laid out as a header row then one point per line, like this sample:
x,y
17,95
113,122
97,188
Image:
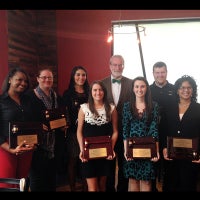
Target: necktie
x,y
116,81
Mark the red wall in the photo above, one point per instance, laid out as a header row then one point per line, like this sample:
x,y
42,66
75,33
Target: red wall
x,y
82,38
3,46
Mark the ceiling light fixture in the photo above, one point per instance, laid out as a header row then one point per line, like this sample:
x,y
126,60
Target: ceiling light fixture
x,y
110,36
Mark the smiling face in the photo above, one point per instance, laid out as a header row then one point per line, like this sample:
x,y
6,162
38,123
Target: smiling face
x,y
160,75
18,82
97,92
116,67
80,77
140,88
185,91
45,79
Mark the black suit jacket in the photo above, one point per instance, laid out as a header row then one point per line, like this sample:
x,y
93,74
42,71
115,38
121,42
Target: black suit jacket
x,y
188,127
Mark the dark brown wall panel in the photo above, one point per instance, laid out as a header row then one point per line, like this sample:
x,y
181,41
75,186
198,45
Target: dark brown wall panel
x,y
32,41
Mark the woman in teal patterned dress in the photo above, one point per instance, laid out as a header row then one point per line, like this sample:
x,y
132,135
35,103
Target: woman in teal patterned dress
x,y
140,118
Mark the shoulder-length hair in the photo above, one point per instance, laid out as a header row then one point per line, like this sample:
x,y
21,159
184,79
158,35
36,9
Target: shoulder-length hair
x,y
191,81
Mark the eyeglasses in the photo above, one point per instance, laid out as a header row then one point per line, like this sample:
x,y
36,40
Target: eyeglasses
x,y
185,88
46,77
117,65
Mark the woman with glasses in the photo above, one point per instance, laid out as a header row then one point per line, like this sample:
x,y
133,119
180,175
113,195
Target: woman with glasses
x,y
181,122
45,158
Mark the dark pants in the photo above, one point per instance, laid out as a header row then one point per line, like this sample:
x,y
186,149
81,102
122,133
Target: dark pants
x,y
156,166
180,175
43,172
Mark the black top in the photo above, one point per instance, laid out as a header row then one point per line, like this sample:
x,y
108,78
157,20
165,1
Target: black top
x,y
162,95
48,137
73,100
39,107
188,126
11,111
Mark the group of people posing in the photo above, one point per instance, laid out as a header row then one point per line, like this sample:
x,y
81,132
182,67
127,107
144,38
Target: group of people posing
x,y
115,106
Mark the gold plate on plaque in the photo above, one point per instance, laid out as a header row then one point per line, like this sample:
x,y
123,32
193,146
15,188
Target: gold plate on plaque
x,y
57,118
97,153
182,143
183,148
20,131
139,153
141,147
97,147
30,139
58,123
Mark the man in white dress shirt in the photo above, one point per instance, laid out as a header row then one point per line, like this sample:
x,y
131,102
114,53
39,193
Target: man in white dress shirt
x,y
118,89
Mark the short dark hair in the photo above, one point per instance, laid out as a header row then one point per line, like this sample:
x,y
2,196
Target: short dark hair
x,y
159,65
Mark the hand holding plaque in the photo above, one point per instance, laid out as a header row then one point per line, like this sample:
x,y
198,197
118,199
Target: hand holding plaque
x,y
56,118
97,147
141,147
24,131
183,148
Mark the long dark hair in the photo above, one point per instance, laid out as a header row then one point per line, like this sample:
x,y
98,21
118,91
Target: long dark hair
x,y
105,100
6,85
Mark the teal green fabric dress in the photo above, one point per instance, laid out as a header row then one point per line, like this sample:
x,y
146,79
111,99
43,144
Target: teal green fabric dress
x,y
139,169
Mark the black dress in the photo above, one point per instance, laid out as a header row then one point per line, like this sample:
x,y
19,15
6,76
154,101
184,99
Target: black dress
x,y
73,100
96,126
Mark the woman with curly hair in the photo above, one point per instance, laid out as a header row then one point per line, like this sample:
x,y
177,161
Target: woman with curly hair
x,y
181,120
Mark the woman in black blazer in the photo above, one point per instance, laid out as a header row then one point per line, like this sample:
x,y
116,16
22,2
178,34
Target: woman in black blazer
x,y
181,120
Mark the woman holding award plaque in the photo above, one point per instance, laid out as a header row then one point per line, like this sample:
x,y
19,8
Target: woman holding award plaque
x,y
15,106
76,94
44,166
180,136
140,120
97,119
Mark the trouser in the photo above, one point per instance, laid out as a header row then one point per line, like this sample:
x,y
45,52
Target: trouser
x,y
43,172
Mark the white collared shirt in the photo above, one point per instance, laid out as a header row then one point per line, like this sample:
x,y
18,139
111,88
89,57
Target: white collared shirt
x,y
116,89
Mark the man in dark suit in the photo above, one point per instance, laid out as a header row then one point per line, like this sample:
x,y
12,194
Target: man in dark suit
x,y
118,89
